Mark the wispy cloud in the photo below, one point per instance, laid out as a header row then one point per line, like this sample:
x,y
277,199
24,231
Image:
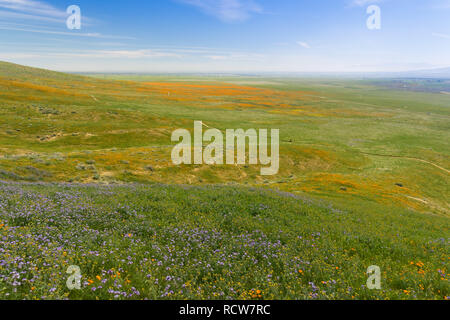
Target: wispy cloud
x,y
304,44
76,34
31,10
143,53
42,18
131,54
227,10
31,7
17,16
236,57
103,54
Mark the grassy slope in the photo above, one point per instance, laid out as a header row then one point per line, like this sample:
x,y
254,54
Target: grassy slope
x,y
210,242
56,127
337,136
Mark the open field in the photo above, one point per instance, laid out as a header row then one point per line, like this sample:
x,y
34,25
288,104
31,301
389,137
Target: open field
x,y
376,153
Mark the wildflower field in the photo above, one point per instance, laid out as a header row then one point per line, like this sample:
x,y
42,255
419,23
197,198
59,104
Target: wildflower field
x,y
212,242
86,179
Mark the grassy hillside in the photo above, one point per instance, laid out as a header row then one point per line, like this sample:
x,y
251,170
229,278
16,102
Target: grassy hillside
x,y
342,140
178,242
87,179
18,72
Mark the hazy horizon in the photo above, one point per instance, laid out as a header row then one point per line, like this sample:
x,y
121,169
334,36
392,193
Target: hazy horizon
x,y
426,73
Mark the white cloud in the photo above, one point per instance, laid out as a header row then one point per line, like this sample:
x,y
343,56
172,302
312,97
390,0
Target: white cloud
x,y
62,33
304,44
17,55
17,16
131,54
217,57
236,57
26,10
103,54
227,10
31,7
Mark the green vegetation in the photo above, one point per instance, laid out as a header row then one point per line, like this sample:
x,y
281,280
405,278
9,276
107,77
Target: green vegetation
x,y
378,154
212,242
340,139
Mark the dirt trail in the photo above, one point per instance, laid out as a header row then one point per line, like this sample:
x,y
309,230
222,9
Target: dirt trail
x,y
409,158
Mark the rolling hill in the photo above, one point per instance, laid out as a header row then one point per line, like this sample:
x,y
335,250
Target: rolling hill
x,y
340,139
86,179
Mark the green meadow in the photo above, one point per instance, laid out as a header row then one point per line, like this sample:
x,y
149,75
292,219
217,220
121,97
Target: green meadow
x,y
87,179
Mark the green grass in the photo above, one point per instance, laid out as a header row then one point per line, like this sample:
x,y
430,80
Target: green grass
x,y
332,131
378,154
212,242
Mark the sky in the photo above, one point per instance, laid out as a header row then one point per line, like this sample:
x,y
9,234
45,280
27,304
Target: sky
x,y
226,36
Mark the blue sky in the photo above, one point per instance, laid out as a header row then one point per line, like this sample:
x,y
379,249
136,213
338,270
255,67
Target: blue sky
x,y
226,35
